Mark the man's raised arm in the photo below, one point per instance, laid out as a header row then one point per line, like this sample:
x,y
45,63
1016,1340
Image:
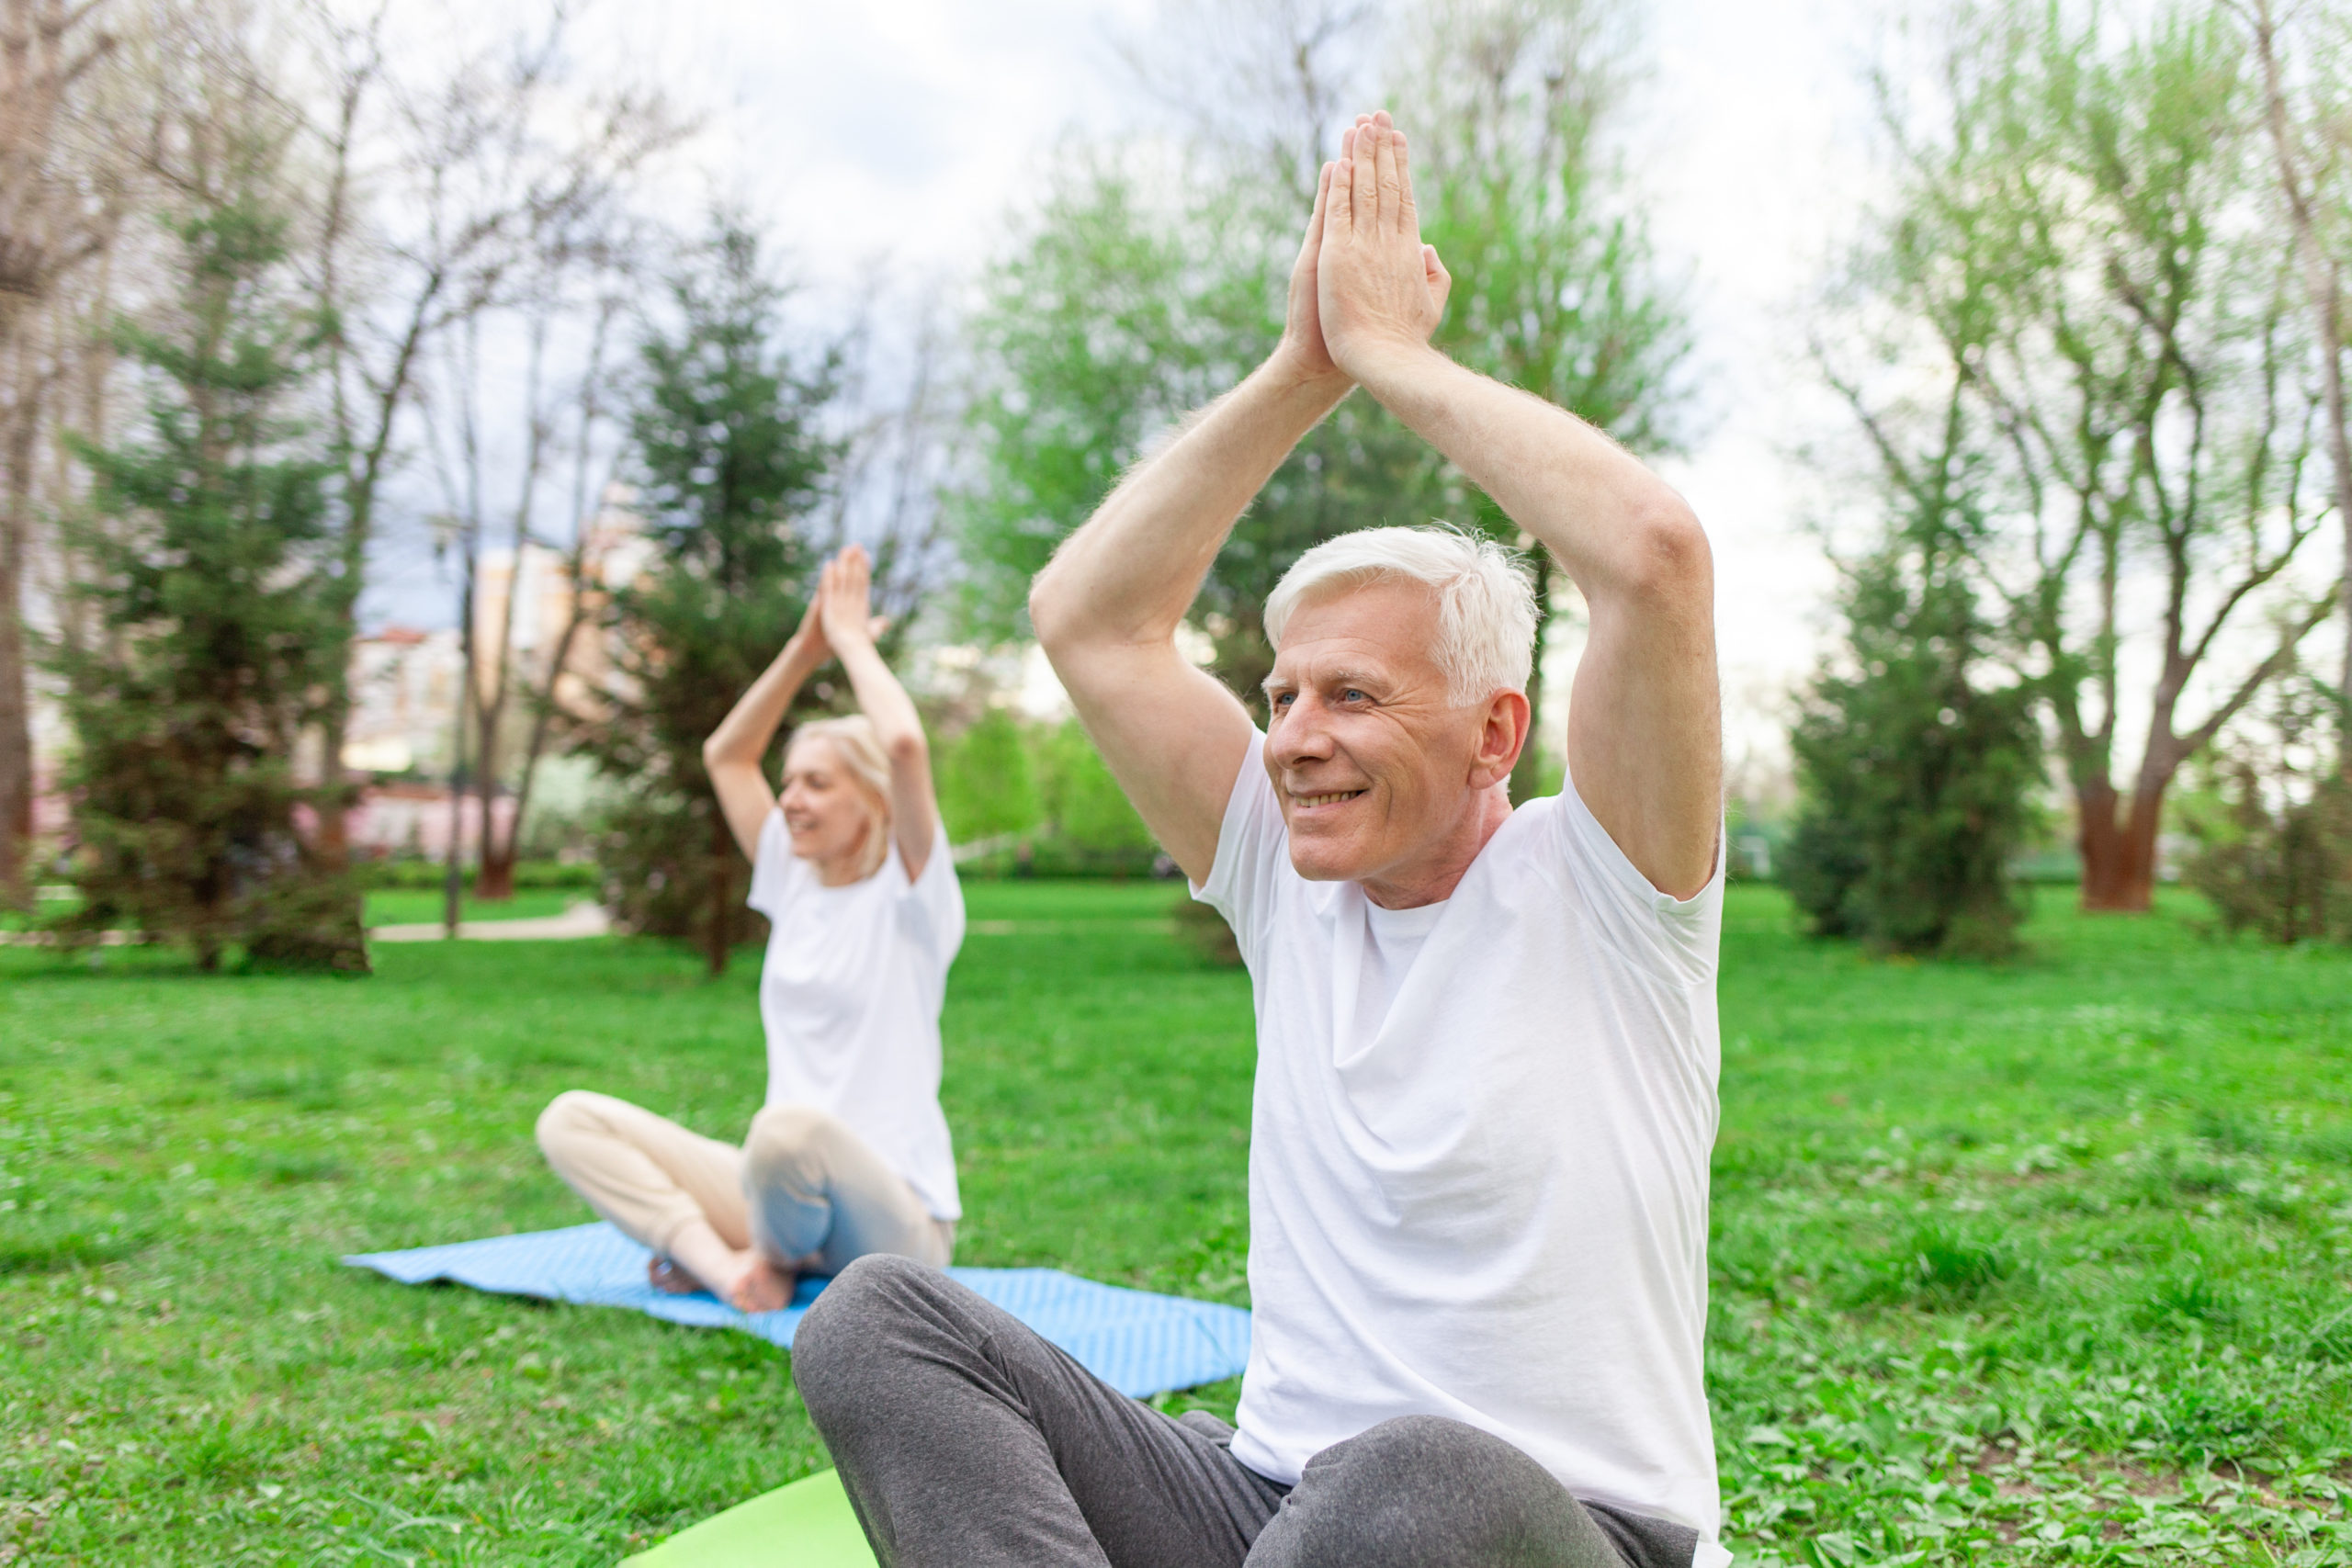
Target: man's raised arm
x,y
1645,719
1107,607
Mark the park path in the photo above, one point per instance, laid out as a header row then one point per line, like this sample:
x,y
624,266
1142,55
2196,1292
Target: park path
x,y
580,920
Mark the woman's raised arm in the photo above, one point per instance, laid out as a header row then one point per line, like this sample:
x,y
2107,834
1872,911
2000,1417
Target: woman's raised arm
x,y
849,627
733,752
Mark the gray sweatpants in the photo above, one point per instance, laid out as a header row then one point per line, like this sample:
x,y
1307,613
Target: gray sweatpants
x,y
966,1440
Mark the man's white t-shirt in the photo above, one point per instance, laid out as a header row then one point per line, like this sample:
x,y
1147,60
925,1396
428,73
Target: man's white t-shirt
x,y
1478,1156
850,996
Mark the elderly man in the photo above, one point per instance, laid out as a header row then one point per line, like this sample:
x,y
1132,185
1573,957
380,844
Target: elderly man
x,y
1486,1037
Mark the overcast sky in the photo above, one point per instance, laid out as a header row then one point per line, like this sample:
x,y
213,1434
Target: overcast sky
x,y
901,132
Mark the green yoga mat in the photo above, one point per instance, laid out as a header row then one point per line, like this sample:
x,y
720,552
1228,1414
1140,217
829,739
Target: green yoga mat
x,y
808,1524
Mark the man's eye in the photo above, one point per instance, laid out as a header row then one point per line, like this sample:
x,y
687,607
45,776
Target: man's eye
x,y
1352,695
1281,699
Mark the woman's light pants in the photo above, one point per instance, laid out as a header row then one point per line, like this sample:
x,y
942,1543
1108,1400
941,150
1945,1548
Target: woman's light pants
x,y
803,1190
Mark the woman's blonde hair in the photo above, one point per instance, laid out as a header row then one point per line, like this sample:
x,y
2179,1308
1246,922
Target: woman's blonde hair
x,y
868,766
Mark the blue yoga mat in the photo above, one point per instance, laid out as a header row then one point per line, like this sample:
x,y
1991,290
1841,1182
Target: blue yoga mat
x,y
1138,1342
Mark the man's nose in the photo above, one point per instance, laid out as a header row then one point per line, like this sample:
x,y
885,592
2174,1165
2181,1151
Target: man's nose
x,y
1301,732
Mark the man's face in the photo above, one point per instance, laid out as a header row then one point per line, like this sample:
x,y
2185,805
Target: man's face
x,y
1373,763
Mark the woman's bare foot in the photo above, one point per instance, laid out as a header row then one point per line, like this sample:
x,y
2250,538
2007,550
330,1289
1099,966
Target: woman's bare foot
x,y
763,1287
669,1278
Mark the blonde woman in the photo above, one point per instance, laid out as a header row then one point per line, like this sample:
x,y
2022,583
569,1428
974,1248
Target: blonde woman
x,y
851,1154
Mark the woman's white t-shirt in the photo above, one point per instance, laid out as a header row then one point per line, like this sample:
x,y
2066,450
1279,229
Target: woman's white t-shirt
x,y
1479,1155
850,996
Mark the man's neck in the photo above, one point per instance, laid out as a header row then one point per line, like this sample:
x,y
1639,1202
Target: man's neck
x,y
1432,877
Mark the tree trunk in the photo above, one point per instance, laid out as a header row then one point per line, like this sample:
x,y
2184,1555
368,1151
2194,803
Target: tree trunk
x,y
722,847
16,717
1527,773
2119,849
487,883
338,792
495,881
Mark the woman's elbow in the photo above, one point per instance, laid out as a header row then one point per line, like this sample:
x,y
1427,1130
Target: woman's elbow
x,y
905,749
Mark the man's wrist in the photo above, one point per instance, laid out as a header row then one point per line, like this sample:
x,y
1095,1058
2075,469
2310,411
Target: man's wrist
x,y
1385,368
1290,372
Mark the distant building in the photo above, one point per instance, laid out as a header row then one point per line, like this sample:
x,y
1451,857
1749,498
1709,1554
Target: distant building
x,y
538,588
404,701
405,683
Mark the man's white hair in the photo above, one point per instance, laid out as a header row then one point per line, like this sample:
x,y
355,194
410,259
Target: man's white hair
x,y
1486,599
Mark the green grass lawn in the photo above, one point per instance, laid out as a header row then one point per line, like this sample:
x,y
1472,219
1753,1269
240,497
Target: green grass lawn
x,y
384,906
2043,1263
418,906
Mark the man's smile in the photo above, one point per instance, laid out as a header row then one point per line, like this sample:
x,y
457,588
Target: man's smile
x,y
1309,802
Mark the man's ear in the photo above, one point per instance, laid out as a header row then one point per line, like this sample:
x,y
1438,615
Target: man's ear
x,y
1503,734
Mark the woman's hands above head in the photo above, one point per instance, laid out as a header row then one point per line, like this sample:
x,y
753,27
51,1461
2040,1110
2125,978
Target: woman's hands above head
x,y
843,608
844,594
809,642
836,625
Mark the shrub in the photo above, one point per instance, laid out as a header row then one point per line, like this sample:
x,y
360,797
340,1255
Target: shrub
x,y
2274,834
986,783
1045,788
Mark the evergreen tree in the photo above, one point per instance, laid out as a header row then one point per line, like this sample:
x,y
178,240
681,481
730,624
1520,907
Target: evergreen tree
x,y
729,453
1915,775
207,571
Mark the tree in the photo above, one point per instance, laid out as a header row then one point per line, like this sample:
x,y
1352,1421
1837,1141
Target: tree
x,y
1555,288
1116,315
48,227
1111,322
1915,765
209,559
728,444
2085,241
451,191
2308,114
2273,834
510,707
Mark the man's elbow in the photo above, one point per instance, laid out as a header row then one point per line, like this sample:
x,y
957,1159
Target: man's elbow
x,y
1051,613
1670,557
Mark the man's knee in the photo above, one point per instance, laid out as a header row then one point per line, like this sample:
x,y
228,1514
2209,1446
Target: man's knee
x,y
1426,1491
853,1330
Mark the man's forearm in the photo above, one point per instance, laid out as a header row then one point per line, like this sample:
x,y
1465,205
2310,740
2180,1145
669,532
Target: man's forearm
x,y
1129,574
1601,511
